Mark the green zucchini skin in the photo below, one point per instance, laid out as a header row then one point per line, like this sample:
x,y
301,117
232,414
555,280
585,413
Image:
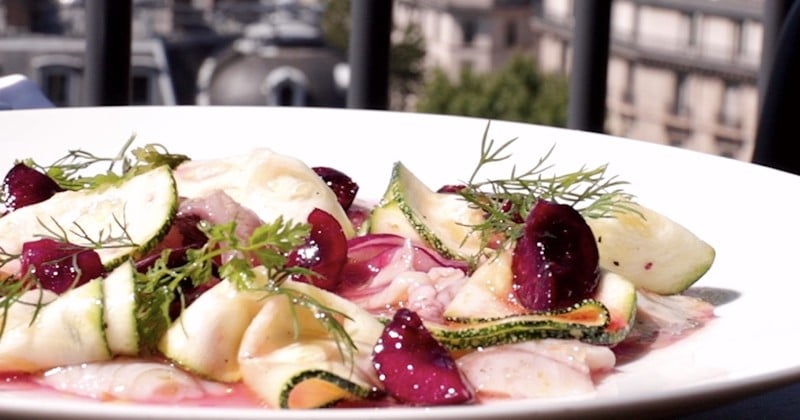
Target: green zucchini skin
x,y
67,329
605,319
484,313
355,390
586,321
119,310
131,217
289,360
444,221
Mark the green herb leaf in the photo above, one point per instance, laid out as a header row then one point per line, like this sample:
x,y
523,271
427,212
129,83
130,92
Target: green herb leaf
x,y
507,201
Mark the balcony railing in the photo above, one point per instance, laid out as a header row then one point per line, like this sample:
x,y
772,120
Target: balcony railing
x,y
109,39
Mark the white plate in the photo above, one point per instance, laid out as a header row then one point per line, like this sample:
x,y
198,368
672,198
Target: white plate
x,y
748,213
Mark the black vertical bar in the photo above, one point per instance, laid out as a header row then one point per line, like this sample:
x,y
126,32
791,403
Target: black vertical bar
x,y
587,86
370,28
778,131
775,12
108,52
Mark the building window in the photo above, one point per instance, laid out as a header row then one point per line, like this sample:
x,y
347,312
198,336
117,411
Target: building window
x,y
628,90
692,22
739,39
469,29
637,18
143,87
61,84
537,7
728,147
678,137
564,56
512,33
140,87
627,122
286,86
680,104
730,106
285,93
56,87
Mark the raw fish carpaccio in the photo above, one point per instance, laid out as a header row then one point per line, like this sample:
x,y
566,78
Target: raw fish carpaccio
x,y
260,280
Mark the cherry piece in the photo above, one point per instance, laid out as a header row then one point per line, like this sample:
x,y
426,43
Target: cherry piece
x,y
24,186
415,368
451,188
555,262
59,266
324,252
341,185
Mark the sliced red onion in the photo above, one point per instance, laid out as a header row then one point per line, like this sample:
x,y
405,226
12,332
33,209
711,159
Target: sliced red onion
x,y
368,254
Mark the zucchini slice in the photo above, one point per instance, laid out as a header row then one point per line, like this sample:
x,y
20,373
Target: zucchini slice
x,y
68,329
205,338
291,361
586,321
484,312
619,296
409,208
651,250
119,298
129,217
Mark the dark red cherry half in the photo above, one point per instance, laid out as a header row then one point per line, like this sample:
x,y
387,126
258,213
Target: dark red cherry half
x,y
415,368
59,266
24,186
324,252
555,262
451,188
341,185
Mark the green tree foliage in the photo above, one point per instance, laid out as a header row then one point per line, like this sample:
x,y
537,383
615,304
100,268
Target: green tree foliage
x,y
336,24
518,92
406,65
406,57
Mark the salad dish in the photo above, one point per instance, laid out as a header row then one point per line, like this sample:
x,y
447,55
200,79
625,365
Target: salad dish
x,y
262,278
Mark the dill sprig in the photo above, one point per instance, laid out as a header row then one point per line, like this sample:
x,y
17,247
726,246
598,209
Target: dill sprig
x,y
105,238
270,244
506,202
11,293
5,258
329,318
70,171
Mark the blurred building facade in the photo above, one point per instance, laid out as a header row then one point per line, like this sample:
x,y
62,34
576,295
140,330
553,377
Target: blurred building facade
x,y
481,35
214,52
681,72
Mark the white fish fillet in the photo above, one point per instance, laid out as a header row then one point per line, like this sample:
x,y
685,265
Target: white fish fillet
x,y
535,369
130,380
